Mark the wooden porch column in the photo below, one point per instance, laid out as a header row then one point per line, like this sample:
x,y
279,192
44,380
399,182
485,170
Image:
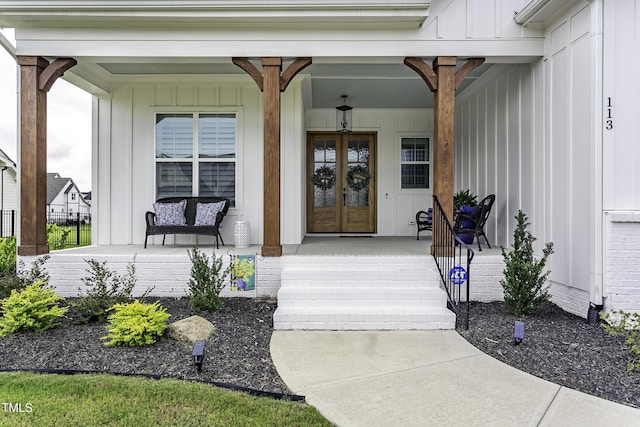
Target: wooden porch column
x,y
271,84
443,115
443,80
36,78
271,103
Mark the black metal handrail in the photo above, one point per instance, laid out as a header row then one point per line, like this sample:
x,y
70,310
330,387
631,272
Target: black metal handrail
x,y
453,258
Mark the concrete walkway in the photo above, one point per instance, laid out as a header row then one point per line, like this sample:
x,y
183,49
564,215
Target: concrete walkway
x,y
426,378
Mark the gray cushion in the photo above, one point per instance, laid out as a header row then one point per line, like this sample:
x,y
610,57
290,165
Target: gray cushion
x,y
170,213
206,213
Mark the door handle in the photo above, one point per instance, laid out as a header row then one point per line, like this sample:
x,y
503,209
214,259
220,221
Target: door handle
x,y
344,197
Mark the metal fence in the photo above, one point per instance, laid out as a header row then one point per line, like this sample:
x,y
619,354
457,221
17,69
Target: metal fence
x,y
7,223
63,229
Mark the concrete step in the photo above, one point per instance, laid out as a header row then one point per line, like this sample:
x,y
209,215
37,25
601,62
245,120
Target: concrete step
x,y
363,318
357,295
361,293
359,274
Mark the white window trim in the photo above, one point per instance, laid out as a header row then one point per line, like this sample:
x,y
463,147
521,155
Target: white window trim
x,y
400,163
238,209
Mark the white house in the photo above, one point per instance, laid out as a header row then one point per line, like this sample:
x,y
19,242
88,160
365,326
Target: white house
x,y
64,200
8,194
238,98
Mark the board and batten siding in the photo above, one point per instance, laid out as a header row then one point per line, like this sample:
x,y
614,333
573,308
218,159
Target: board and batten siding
x,y
526,134
124,154
491,136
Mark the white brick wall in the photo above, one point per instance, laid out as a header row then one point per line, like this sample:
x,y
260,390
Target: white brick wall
x,y
486,273
488,270
622,261
169,275
570,299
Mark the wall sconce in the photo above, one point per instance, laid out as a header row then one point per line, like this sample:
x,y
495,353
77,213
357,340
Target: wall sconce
x,y
343,116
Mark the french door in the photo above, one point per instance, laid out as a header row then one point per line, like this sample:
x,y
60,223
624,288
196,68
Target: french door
x,y
341,178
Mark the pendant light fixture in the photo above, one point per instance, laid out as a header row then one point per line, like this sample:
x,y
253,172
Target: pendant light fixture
x,y
343,116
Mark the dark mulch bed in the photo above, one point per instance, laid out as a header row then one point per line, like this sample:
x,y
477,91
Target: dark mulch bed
x,y
558,347
238,353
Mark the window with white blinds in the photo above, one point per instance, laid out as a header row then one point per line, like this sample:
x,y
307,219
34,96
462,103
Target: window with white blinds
x,y
414,163
196,155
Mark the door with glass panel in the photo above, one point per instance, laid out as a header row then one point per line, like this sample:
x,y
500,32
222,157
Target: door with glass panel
x,y
341,183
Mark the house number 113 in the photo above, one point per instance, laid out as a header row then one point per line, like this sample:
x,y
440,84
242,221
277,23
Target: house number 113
x,y
609,120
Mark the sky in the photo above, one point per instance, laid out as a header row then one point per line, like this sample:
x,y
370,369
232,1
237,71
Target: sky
x,y
68,123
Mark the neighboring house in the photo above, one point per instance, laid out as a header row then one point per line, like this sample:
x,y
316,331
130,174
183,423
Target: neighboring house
x,y
8,195
64,200
189,99
8,183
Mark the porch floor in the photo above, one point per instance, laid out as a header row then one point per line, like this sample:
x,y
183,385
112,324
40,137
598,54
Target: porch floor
x,y
310,246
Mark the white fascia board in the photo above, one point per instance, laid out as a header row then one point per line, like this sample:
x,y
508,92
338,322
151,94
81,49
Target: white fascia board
x,y
118,12
350,50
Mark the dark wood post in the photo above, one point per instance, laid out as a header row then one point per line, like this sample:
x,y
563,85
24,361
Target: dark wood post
x,y
36,78
443,115
271,83
33,157
271,102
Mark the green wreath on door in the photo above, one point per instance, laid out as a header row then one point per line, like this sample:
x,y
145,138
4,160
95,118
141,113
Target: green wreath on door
x,y
358,178
324,178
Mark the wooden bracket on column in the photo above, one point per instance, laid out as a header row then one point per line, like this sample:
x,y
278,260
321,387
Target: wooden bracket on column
x,y
466,69
53,71
250,69
424,71
292,70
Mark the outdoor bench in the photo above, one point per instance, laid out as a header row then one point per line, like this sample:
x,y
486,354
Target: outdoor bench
x,y
187,215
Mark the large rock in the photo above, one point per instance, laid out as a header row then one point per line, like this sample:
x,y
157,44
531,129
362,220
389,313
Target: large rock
x,y
190,329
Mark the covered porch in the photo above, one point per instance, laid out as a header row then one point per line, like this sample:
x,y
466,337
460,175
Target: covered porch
x,y
416,76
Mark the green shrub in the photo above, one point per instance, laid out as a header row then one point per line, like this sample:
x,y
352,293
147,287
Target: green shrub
x,y
136,324
7,255
524,282
627,324
104,289
464,197
57,237
22,278
35,308
206,282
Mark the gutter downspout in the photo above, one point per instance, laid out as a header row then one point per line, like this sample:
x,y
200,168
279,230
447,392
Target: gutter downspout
x,y
11,50
596,283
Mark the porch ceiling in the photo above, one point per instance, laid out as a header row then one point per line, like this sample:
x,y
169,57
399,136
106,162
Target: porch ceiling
x,y
368,85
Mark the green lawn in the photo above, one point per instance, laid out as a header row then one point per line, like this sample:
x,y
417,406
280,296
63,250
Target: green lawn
x,y
72,238
108,400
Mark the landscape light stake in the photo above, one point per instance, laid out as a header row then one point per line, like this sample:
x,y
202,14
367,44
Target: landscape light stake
x,y
518,332
198,354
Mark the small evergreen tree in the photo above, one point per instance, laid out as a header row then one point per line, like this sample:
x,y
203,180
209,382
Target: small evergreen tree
x,y
207,281
524,279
